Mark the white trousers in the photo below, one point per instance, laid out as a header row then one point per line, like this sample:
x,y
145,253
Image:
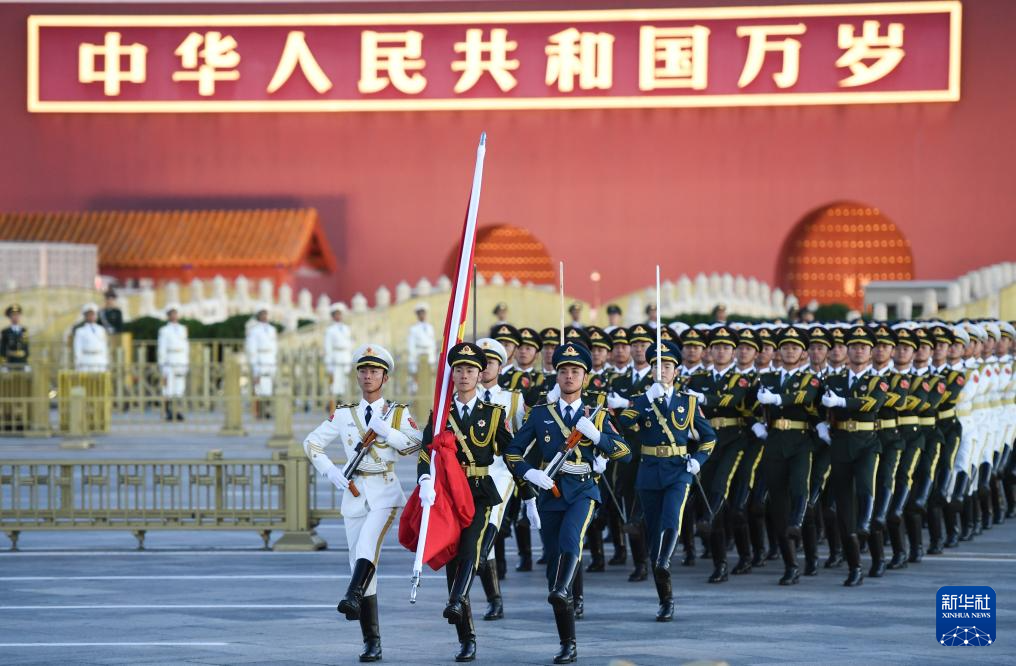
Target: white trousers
x,y
174,381
340,381
505,484
263,382
364,534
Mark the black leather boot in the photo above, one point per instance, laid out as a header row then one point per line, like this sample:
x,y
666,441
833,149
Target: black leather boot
x,y
876,546
935,541
798,507
371,629
834,537
809,542
639,553
718,548
773,538
852,553
967,519
791,572
363,571
467,634
914,535
564,617
880,513
492,590
458,597
499,557
757,536
688,544
561,591
665,592
742,541
952,533
578,597
865,504
524,541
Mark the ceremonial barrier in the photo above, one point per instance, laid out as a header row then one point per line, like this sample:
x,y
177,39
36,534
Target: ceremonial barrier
x,y
97,405
264,496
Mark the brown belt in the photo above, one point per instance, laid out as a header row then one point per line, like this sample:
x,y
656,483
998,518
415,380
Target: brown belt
x,y
855,426
664,451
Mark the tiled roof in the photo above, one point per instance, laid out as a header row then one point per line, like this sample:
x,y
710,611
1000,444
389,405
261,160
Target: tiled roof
x,y
170,239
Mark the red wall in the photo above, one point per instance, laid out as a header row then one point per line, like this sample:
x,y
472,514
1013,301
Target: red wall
x,y
613,191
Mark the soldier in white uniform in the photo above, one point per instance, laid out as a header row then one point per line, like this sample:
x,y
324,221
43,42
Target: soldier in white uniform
x,y
91,349
368,515
262,349
338,351
421,341
515,411
173,357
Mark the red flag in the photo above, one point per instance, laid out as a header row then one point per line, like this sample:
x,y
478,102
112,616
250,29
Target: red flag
x,y
452,511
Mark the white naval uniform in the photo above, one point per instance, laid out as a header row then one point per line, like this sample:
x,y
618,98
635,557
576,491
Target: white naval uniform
x,y
91,349
421,342
968,428
368,517
515,409
338,355
173,358
262,347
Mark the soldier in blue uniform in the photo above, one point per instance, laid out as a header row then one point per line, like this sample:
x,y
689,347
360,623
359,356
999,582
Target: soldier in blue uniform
x,y
668,423
565,515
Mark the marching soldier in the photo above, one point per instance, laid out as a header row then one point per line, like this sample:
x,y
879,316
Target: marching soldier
x,y
620,351
373,495
788,398
14,340
338,351
721,394
675,440
854,400
91,349
947,362
492,548
566,513
932,392
173,356
262,347
899,446
693,351
625,387
819,344
481,434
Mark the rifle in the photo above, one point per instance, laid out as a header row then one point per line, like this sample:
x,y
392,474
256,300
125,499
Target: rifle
x,y
361,450
558,460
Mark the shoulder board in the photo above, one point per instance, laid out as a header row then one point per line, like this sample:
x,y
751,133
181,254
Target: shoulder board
x,y
348,406
393,405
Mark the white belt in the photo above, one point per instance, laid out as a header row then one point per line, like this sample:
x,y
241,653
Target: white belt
x,y
576,468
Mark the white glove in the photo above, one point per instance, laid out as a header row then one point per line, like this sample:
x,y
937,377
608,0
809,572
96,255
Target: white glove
x,y
531,513
380,426
764,396
823,432
698,396
554,394
539,478
614,401
599,465
339,481
428,492
760,430
655,392
586,427
693,466
831,400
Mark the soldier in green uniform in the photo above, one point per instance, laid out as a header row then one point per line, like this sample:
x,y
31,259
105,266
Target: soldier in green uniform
x,y
788,398
933,387
523,374
14,340
481,433
853,401
941,511
747,508
694,343
837,365
896,454
819,344
721,394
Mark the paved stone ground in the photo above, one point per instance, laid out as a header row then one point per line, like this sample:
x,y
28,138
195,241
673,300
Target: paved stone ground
x,y
216,598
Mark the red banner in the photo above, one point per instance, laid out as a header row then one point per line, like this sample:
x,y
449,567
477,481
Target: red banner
x,y
731,56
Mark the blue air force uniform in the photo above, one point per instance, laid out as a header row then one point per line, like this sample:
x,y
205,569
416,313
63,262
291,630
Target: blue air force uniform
x,y
672,430
565,519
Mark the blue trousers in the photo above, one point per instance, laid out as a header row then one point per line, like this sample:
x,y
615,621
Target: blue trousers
x,y
663,509
562,531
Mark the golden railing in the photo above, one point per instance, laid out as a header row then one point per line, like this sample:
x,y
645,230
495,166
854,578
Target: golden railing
x,y
276,494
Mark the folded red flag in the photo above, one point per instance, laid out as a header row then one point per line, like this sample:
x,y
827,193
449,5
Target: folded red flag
x,y
452,511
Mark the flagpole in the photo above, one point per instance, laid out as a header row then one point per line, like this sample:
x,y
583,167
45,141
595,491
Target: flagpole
x,y
454,331
561,289
659,334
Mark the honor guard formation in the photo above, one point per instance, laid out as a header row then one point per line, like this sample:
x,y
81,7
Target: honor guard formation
x,y
858,448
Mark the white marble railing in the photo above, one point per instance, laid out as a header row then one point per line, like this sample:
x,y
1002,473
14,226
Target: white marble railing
x,y
926,298
743,296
